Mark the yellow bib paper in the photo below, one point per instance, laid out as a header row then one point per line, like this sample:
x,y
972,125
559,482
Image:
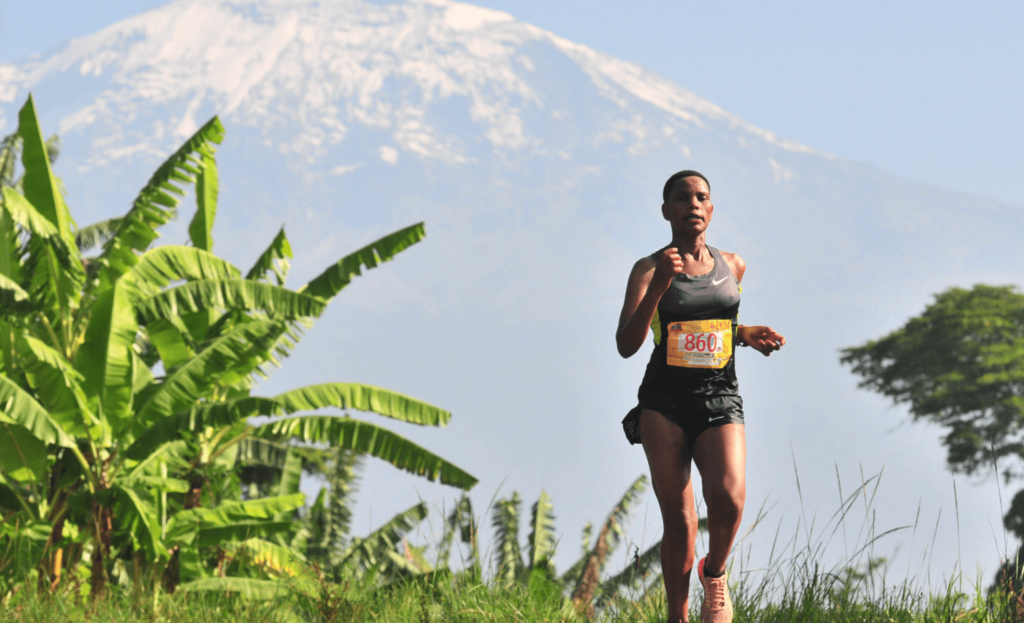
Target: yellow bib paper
x,y
699,343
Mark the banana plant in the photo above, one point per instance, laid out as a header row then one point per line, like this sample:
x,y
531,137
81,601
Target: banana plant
x,y
585,575
508,560
127,378
329,519
461,524
638,574
317,546
582,582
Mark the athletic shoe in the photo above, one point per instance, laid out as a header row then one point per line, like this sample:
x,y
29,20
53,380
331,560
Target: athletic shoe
x,y
717,607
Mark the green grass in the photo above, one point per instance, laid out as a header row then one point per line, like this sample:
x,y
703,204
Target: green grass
x,y
463,599
794,586
121,606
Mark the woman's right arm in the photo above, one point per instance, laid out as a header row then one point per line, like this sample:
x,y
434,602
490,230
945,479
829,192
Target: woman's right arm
x,y
647,282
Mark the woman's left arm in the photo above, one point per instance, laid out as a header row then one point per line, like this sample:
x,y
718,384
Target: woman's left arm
x,y
764,340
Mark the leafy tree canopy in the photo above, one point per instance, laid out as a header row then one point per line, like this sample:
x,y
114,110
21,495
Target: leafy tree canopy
x,y
960,364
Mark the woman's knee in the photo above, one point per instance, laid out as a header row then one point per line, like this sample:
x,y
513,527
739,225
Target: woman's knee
x,y
681,520
728,500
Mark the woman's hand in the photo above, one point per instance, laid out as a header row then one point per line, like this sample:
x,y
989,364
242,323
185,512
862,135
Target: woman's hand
x,y
763,339
670,263
648,281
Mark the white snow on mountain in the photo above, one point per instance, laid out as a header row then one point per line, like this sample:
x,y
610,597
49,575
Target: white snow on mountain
x,y
269,64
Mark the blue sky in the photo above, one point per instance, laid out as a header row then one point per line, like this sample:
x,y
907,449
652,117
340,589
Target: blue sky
x,y
929,90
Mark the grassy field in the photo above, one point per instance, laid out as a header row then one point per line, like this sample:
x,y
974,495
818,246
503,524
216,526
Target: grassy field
x,y
442,597
795,585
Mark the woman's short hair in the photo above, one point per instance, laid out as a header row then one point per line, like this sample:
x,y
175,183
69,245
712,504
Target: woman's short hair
x,y
675,176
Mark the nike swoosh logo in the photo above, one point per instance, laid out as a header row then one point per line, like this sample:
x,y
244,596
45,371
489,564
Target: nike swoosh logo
x,y
715,282
715,419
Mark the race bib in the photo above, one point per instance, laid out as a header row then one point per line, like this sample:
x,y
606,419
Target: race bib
x,y
699,343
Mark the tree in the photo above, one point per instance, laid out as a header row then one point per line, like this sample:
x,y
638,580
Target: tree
x,y
126,380
960,364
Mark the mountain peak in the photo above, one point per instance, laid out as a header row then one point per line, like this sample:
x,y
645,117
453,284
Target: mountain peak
x,y
319,69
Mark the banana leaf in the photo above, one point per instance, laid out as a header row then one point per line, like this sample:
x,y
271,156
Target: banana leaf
x,y
341,395
39,185
542,534
274,259
372,550
345,432
57,384
263,452
19,407
10,500
240,294
246,587
272,557
105,358
53,264
11,253
291,476
96,234
201,228
363,398
26,215
138,517
14,301
157,483
335,278
508,560
195,378
189,521
29,540
240,531
197,418
22,455
158,267
155,205
170,341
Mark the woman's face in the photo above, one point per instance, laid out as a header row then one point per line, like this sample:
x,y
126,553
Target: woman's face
x,y
689,206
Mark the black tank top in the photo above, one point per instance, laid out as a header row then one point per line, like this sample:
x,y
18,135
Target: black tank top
x,y
694,334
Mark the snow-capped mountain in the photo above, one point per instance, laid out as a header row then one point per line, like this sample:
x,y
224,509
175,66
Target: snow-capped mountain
x,y
318,68
537,164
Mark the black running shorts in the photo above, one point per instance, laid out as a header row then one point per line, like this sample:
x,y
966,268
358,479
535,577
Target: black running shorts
x,y
692,413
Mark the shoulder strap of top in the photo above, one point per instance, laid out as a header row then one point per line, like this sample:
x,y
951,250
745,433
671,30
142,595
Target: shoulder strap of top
x,y
721,266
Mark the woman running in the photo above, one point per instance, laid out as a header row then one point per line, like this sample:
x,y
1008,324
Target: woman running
x,y
690,407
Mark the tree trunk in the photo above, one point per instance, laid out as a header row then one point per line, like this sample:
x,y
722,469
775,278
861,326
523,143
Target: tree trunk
x,y
100,549
193,499
172,573
97,582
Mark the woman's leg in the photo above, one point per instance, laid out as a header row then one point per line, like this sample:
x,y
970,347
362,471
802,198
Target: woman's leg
x,y
720,454
669,458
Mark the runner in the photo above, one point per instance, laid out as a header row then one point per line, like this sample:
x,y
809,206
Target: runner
x,y
690,407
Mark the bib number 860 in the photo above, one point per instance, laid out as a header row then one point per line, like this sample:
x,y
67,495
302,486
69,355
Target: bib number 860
x,y
702,342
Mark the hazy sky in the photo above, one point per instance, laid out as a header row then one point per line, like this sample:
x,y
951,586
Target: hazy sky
x,y
927,89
